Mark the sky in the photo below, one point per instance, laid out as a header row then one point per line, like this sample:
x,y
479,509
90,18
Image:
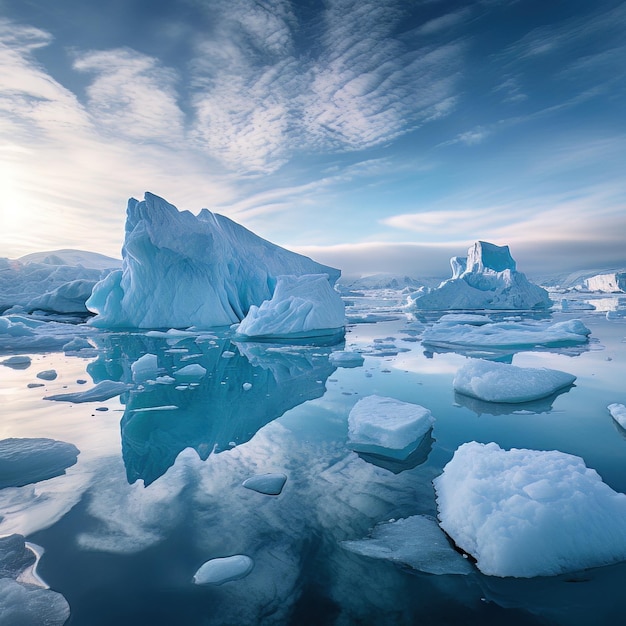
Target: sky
x,y
373,135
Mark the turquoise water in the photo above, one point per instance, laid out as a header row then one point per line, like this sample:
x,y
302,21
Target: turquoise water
x,y
158,491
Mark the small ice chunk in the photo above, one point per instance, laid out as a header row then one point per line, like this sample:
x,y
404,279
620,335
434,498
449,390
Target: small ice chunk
x,y
189,373
77,344
223,570
17,362
416,541
345,358
388,427
228,354
47,375
165,380
246,386
102,391
528,513
146,367
269,484
618,413
500,382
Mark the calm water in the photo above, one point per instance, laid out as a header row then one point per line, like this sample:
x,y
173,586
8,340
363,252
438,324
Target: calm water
x,y
155,493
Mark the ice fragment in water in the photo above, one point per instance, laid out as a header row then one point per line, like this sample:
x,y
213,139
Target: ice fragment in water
x,y
223,570
268,484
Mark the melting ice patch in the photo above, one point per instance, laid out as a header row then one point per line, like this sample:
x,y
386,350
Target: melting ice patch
x,y
387,427
500,382
527,513
415,541
222,570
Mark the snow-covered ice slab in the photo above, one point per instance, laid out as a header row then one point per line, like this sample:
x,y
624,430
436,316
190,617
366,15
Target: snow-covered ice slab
x,y
268,484
301,306
223,570
346,358
26,461
500,382
618,413
102,391
527,513
180,270
387,427
415,541
486,279
507,335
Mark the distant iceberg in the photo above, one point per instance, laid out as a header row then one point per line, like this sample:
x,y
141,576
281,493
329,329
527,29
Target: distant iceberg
x,y
528,513
486,279
182,270
613,282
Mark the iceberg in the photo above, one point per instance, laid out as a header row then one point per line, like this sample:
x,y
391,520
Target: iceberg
x,y
614,282
500,382
387,427
180,270
416,541
486,279
527,513
223,570
300,307
346,358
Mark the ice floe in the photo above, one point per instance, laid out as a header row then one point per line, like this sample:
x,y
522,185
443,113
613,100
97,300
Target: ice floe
x,y
346,358
387,427
222,570
500,382
527,513
416,541
102,391
618,413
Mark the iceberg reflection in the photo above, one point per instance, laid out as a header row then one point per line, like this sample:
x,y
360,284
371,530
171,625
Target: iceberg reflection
x,y
245,387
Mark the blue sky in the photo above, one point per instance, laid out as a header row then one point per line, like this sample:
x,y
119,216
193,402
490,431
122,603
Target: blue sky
x,y
375,135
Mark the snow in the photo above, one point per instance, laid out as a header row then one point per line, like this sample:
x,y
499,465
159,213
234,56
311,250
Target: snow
x,y
618,413
25,461
181,270
507,334
346,358
415,541
102,391
382,281
387,427
527,513
488,279
613,282
72,258
268,484
500,382
223,570
300,306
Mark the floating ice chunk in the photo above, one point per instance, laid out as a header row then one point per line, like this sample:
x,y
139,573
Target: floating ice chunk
x,y
181,270
345,358
47,375
146,367
486,280
507,334
416,541
102,391
464,318
618,413
26,461
31,606
302,306
77,345
190,373
269,484
527,513
223,570
388,427
17,362
576,305
246,386
500,382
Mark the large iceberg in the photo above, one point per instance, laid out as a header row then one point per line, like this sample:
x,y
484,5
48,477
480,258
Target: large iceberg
x,y
613,282
181,270
486,279
301,306
527,513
